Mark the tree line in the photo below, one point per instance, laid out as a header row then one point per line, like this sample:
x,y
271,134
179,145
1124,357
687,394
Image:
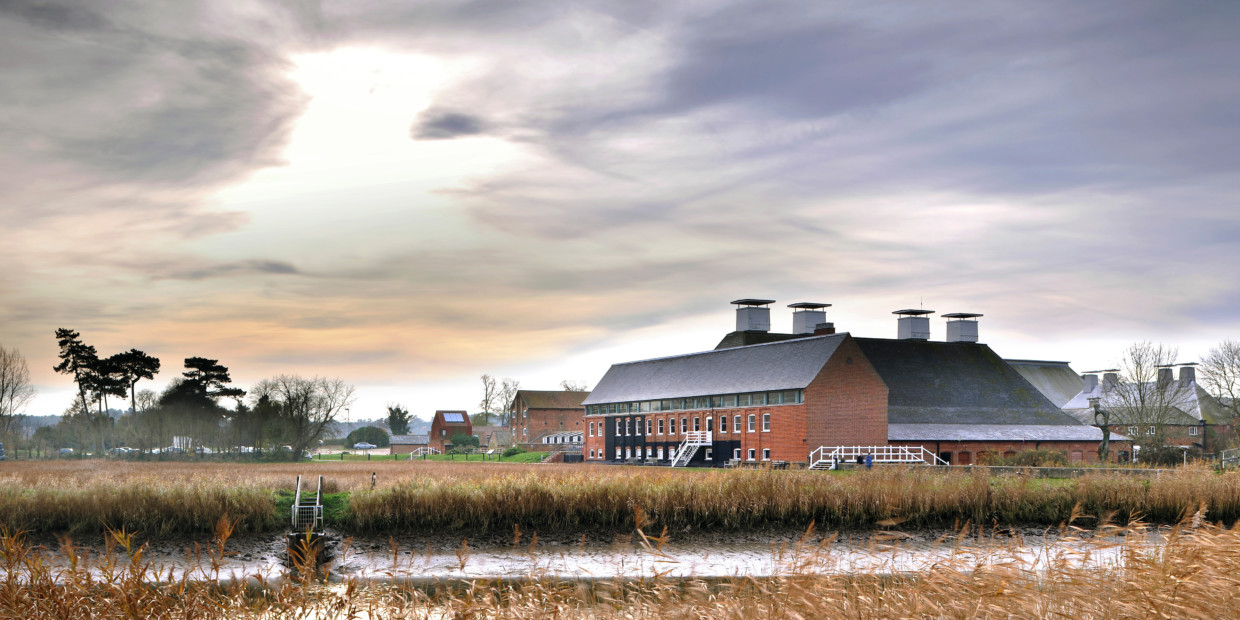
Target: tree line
x,y
286,410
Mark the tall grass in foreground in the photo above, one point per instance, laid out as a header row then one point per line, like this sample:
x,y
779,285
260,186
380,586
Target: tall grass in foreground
x,y
588,498
1194,571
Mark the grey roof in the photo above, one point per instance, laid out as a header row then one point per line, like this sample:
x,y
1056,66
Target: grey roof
x,y
410,440
996,432
1192,403
747,338
956,383
786,365
1055,380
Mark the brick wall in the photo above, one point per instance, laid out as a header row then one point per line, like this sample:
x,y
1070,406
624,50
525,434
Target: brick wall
x,y
537,422
968,452
846,403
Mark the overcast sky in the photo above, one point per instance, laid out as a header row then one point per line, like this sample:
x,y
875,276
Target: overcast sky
x,y
407,195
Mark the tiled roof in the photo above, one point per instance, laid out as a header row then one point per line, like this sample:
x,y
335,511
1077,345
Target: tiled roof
x,y
1191,404
551,399
787,365
1056,380
956,383
996,432
410,440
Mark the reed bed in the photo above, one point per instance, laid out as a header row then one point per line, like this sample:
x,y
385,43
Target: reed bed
x,y
583,499
188,498
1191,571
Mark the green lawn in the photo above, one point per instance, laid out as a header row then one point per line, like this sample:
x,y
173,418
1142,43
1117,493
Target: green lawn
x,y
524,457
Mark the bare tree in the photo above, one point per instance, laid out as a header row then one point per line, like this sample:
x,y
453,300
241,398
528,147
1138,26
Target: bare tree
x,y
572,385
307,406
507,393
15,389
490,397
1146,398
1220,374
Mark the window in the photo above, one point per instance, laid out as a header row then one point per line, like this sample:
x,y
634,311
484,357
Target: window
x,y
736,423
647,426
710,425
723,424
660,453
591,453
766,454
752,422
716,402
710,454
684,425
697,423
736,453
788,397
660,426
757,399
591,428
649,451
628,452
766,422
639,427
1149,430
645,406
751,453
618,429
617,453
1192,430
443,432
628,426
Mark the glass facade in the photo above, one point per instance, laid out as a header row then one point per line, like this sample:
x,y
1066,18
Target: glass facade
x,y
722,401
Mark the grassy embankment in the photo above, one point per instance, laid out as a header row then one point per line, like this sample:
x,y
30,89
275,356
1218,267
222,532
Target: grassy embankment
x,y
524,457
1193,573
185,498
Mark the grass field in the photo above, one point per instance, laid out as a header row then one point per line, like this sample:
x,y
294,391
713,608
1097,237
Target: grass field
x,y
445,497
524,457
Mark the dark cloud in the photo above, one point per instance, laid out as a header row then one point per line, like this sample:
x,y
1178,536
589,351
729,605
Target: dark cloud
x,y
446,124
257,266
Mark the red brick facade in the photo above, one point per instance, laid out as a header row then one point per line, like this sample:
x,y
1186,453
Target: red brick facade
x,y
536,413
847,402
977,452
443,430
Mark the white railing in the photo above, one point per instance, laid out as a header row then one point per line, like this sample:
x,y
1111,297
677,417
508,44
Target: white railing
x,y
421,452
689,447
826,457
1230,458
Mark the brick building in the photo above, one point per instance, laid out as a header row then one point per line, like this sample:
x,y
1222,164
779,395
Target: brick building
x,y
534,413
776,397
445,424
407,444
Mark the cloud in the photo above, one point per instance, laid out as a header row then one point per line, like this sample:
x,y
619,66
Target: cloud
x,y
444,124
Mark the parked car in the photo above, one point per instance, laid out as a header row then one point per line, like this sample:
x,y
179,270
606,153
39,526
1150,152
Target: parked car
x,y
66,452
362,445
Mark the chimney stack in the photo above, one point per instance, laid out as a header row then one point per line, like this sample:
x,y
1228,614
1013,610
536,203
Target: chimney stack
x,y
824,329
961,326
1188,374
753,315
1109,381
807,316
1166,375
1090,382
913,324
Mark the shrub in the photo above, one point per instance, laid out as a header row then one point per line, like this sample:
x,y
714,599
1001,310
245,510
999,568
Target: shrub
x,y
513,451
1166,456
369,434
1036,458
461,440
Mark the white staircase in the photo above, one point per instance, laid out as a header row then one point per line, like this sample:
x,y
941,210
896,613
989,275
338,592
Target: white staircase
x,y
422,451
826,457
689,447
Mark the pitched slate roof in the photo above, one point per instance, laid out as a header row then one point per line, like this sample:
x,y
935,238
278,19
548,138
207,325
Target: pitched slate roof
x,y
787,365
1055,380
996,432
956,383
551,399
746,338
1191,404
410,440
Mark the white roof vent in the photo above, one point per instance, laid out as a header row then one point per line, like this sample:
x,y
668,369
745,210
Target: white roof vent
x,y
961,326
913,324
807,316
753,315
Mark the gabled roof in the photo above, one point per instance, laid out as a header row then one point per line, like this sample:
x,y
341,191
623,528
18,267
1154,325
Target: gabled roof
x,y
410,440
787,365
1055,380
551,399
746,338
453,417
955,383
1191,403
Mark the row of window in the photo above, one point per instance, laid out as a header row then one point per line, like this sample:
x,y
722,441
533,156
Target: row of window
x,y
725,401
653,453
634,426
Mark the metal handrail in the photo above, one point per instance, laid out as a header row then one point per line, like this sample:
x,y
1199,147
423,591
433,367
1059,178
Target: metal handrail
x,y
879,454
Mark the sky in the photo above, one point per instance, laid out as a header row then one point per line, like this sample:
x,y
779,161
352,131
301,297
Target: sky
x,y
407,195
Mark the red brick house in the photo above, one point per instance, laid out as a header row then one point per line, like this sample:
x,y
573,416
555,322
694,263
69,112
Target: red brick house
x,y
445,424
777,397
534,413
